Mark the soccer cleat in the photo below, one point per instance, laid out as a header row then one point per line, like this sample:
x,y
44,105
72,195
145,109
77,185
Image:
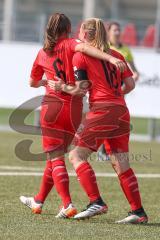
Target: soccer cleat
x,y
30,202
68,212
93,209
135,217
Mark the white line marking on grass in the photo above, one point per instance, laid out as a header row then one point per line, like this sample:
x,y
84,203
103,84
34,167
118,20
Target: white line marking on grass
x,y
36,174
20,168
25,171
72,174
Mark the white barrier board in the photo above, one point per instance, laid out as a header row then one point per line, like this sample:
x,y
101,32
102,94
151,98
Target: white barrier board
x,y
16,61
15,64
144,101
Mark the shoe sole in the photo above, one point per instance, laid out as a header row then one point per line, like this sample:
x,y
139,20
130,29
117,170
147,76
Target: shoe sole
x,y
103,211
34,210
71,213
142,220
68,214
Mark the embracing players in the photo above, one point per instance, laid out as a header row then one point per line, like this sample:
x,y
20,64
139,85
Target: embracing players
x,y
59,116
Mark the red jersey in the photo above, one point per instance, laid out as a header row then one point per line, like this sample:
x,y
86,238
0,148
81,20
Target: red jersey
x,y
106,79
58,64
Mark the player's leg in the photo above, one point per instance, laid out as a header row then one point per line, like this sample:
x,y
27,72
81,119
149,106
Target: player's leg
x,y
128,180
102,154
87,140
78,158
54,144
129,185
54,174
48,143
68,120
61,182
86,176
119,148
46,183
36,202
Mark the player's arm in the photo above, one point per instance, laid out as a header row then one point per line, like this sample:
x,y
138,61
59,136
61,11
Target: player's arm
x,y
131,64
128,85
59,85
37,73
82,81
36,84
127,79
134,70
77,89
96,53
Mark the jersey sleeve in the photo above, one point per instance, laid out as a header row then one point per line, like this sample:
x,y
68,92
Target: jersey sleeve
x,y
37,70
79,67
73,43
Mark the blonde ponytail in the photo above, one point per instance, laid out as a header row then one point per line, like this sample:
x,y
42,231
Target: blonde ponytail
x,y
96,33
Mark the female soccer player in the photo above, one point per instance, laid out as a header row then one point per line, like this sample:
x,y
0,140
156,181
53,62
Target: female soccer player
x,y
59,116
108,120
114,38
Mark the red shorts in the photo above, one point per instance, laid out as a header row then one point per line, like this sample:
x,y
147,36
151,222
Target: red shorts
x,y
59,121
105,124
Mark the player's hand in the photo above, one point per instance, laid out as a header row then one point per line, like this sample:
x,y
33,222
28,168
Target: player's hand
x,y
121,65
56,85
135,76
79,92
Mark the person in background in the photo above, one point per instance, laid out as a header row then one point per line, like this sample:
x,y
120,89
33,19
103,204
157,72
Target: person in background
x,y
114,41
114,38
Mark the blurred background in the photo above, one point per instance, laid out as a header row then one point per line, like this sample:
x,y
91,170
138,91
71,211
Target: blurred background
x,y
22,24
22,20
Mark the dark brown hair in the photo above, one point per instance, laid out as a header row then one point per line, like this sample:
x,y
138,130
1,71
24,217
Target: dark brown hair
x,y
58,24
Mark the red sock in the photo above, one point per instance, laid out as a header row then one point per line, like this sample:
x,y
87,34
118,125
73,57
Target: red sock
x,y
87,178
130,188
46,183
61,180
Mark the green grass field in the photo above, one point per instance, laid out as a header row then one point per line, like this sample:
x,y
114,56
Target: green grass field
x,y
17,222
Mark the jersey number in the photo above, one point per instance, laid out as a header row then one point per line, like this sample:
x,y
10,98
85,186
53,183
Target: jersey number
x,y
59,73
110,74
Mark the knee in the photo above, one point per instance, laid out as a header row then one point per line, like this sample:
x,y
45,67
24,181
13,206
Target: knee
x,y
115,167
119,169
120,162
73,157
